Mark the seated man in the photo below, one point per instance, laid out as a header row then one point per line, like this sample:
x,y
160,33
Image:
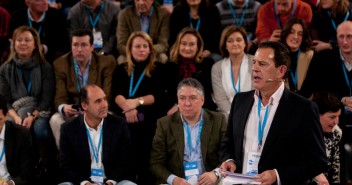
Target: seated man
x,y
74,70
190,136
95,146
16,166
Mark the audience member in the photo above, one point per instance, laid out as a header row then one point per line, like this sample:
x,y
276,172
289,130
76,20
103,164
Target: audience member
x,y
78,68
273,15
329,14
100,16
95,146
273,133
145,16
190,136
200,15
16,149
4,36
233,74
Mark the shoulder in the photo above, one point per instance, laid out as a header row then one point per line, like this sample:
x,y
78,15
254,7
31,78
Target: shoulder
x,y
127,11
104,60
303,4
215,116
161,11
111,8
217,65
62,61
17,129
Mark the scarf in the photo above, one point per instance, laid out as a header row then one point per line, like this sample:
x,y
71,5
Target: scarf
x,y
187,68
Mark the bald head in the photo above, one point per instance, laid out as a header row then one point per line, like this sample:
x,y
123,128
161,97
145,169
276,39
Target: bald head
x,y
344,37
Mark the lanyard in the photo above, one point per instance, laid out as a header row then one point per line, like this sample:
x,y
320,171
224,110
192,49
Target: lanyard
x,y
261,125
277,15
333,22
189,137
233,79
77,73
190,21
240,21
94,23
346,76
133,92
3,152
95,153
31,25
29,86
294,77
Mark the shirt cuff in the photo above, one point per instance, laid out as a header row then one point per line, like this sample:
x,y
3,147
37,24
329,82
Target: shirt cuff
x,y
59,109
84,182
112,181
217,171
277,177
170,179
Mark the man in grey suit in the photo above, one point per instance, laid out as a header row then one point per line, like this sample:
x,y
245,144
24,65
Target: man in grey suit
x,y
188,140
273,133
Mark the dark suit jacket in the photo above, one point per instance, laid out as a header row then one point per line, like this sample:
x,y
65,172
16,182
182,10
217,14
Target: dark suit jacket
x,y
18,152
168,144
294,144
75,159
100,74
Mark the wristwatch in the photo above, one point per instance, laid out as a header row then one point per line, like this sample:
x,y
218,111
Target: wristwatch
x,y
141,101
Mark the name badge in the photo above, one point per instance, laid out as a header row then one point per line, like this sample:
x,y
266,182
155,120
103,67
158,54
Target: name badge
x,y
97,176
191,172
252,163
98,40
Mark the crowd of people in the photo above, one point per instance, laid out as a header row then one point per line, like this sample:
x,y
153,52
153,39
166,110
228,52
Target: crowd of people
x,y
177,92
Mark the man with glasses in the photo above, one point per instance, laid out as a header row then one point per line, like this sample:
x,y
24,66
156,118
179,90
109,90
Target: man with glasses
x,y
74,70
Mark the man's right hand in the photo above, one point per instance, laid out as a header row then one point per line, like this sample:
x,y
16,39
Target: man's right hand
x,y
275,36
180,181
227,166
69,111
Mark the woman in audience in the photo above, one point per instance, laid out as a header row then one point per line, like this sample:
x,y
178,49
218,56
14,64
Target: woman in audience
x,y
27,82
330,109
200,15
186,61
233,74
295,37
133,91
329,14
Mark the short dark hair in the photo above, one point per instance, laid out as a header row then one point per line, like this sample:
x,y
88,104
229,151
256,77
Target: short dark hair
x,y
226,34
327,102
81,33
191,82
3,105
287,30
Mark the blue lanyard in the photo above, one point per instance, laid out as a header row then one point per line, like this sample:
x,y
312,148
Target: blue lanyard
x,y
94,23
346,76
261,125
190,21
3,152
189,137
233,79
40,28
238,23
133,92
77,73
29,86
95,153
333,22
277,15
295,77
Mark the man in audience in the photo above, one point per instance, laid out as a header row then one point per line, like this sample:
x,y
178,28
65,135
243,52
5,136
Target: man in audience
x,y
272,132
144,16
100,16
78,68
273,15
49,23
190,136
95,146
16,165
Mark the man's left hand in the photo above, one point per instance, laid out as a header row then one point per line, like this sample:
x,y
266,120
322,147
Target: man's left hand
x,y
267,177
207,178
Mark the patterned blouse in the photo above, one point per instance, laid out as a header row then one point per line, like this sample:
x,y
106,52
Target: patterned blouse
x,y
331,141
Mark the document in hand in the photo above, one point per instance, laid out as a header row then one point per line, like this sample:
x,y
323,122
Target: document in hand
x,y
237,178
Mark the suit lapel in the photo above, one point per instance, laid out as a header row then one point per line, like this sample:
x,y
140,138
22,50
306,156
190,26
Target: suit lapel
x,y
177,130
205,136
83,139
93,75
9,144
107,136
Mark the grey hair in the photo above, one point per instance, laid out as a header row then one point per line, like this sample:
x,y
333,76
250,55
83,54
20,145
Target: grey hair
x,y
191,82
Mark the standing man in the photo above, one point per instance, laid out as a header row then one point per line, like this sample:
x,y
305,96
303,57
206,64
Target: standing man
x,y
100,16
78,68
94,146
272,132
191,135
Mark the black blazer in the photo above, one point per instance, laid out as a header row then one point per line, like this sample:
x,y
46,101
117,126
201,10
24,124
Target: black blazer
x,y
18,152
294,145
75,159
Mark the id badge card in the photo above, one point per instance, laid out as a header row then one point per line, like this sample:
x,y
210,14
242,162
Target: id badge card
x,y
252,163
98,40
97,175
191,172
